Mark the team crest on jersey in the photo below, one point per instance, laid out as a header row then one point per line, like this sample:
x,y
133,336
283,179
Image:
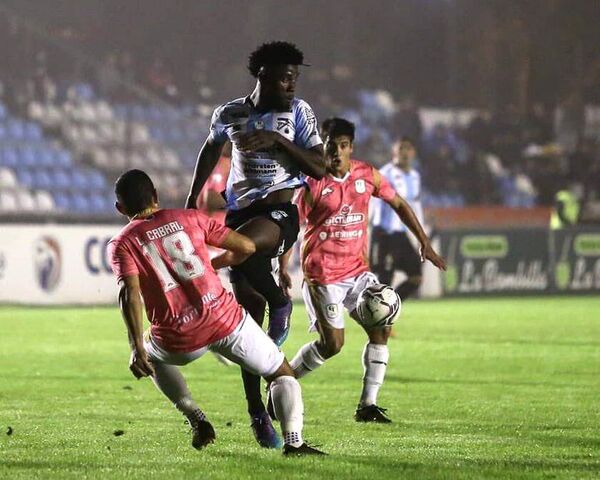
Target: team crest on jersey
x,y
360,186
323,236
259,125
332,310
285,124
278,214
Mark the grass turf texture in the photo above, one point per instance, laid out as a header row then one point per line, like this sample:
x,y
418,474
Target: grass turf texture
x,y
503,388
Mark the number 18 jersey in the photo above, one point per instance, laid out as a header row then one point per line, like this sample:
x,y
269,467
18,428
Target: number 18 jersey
x,y
185,301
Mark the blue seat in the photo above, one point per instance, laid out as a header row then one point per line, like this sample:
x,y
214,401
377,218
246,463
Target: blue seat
x,y
16,130
79,181
96,180
97,203
43,180
27,156
3,112
80,203
33,131
61,179
3,132
62,158
45,157
25,177
62,201
10,156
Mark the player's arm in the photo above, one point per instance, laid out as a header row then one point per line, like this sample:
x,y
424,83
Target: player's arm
x,y
213,200
130,302
285,280
237,248
207,159
310,161
408,217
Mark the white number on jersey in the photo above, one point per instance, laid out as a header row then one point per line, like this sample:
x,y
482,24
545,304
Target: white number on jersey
x,y
180,251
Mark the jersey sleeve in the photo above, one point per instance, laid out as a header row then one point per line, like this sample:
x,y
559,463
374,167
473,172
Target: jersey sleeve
x,y
307,132
217,126
121,259
384,190
215,232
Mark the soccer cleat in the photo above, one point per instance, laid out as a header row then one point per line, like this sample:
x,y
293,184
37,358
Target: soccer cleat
x,y
203,433
263,430
279,323
303,449
371,413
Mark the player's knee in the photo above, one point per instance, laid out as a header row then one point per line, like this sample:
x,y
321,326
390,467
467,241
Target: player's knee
x,y
380,336
331,347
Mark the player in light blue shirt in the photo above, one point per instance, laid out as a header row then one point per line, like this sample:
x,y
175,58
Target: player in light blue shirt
x,y
275,142
391,248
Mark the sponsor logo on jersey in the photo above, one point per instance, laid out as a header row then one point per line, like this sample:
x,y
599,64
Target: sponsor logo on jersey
x,y
326,191
345,217
360,186
47,261
332,310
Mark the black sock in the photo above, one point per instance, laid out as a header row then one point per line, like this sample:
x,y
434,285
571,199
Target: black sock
x,y
406,289
257,270
252,390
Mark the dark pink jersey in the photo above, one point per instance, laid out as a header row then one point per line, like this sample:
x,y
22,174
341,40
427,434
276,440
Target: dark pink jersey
x,y
185,301
336,211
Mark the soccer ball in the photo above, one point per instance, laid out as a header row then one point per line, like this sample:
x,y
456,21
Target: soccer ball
x,y
378,305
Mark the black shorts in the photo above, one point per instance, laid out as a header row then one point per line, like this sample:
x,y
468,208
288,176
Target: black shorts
x,y
393,251
285,215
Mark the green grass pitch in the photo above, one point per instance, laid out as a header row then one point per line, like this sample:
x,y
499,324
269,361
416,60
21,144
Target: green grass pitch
x,y
502,388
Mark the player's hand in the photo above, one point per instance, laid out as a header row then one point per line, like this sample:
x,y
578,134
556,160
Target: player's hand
x,y
285,282
139,364
256,140
428,253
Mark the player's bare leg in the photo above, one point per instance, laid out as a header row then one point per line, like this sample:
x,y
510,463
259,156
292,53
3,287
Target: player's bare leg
x,y
261,424
169,380
286,395
257,270
312,355
375,359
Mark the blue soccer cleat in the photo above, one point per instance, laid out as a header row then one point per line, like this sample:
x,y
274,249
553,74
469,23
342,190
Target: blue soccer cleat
x,y
263,430
279,323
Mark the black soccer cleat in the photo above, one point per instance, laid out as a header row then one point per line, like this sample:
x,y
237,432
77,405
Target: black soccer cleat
x,y
300,451
203,433
372,414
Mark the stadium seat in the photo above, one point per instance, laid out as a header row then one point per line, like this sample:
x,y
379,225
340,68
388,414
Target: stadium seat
x,y
44,201
42,179
3,112
16,130
79,180
10,157
26,201
62,201
25,177
8,179
80,203
61,179
8,201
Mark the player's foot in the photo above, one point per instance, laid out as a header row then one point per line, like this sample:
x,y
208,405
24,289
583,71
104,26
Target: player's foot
x,y
371,413
279,323
265,434
203,433
303,449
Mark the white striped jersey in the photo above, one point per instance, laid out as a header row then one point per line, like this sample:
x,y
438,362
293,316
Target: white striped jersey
x,y
255,175
408,186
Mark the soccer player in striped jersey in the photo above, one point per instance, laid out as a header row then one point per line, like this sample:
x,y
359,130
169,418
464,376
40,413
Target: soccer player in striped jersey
x,y
275,144
391,248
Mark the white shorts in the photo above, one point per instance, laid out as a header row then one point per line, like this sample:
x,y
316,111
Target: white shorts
x,y
248,346
324,302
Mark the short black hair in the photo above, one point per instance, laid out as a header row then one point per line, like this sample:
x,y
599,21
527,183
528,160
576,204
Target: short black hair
x,y
274,53
335,126
406,138
135,191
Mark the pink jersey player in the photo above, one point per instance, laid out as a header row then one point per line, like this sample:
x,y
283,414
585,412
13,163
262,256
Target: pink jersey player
x,y
185,301
336,211
335,264
161,257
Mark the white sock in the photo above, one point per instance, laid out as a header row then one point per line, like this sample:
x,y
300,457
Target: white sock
x,y
169,380
306,360
289,409
375,359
